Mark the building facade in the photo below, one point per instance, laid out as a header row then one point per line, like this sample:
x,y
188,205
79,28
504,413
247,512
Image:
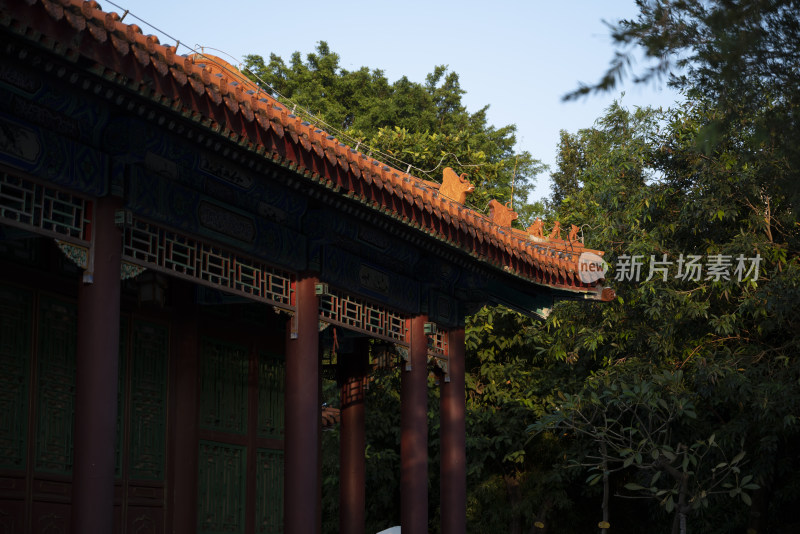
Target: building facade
x,y
172,242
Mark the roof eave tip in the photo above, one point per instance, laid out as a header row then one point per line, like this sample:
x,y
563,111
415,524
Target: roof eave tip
x,y
602,294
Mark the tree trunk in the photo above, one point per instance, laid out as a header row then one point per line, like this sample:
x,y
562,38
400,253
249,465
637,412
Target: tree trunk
x,y
514,500
758,510
679,523
757,520
604,530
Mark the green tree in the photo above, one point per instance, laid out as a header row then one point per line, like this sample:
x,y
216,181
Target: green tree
x,y
647,187
741,55
640,423
426,126
416,127
724,183
499,407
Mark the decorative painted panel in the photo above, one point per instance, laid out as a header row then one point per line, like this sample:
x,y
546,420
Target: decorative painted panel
x,y
58,334
53,105
356,274
259,222
53,132
221,488
269,491
15,357
152,246
148,378
361,238
271,379
20,145
164,161
442,309
356,314
223,386
44,210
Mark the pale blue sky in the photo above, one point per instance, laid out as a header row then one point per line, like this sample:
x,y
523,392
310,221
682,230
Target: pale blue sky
x,y
520,57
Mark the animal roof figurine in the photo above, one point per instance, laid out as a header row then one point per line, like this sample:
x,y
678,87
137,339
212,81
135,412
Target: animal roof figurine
x,y
501,215
537,228
455,187
573,233
556,233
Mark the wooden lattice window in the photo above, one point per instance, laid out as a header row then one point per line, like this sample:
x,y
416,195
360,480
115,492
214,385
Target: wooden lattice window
x,y
44,210
155,247
363,316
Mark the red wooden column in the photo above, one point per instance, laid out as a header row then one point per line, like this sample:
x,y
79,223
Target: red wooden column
x,y
302,413
453,436
414,434
96,378
184,439
352,442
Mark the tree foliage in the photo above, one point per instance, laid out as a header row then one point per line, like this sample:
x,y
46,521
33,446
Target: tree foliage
x,y
650,189
674,407
417,127
740,55
715,179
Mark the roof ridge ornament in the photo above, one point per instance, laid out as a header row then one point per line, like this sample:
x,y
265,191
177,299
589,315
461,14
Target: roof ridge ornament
x,y
536,233
556,233
212,79
573,233
500,214
455,187
536,230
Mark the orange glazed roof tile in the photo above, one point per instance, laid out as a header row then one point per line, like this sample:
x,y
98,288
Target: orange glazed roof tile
x,y
208,90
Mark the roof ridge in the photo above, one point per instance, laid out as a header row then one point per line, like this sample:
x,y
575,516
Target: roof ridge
x,y
225,85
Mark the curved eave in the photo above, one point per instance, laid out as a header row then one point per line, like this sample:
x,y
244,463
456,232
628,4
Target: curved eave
x,y
221,100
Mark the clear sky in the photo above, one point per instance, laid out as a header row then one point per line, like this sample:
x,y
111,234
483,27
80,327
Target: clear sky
x,y
519,57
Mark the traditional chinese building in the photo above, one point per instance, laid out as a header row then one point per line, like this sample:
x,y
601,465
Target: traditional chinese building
x,y
172,242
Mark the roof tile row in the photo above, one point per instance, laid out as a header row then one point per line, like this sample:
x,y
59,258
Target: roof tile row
x,y
552,262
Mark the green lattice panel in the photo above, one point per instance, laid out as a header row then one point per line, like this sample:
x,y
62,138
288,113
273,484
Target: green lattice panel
x,y
223,386
42,209
271,379
221,488
15,349
357,314
159,248
58,326
269,491
149,350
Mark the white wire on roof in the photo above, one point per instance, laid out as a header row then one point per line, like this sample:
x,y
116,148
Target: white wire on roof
x,y
313,118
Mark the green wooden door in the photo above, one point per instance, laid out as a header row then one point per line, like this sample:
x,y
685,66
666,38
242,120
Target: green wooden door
x,y
38,346
240,416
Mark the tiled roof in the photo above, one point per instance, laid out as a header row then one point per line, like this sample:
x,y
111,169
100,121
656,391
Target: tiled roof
x,y
209,91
